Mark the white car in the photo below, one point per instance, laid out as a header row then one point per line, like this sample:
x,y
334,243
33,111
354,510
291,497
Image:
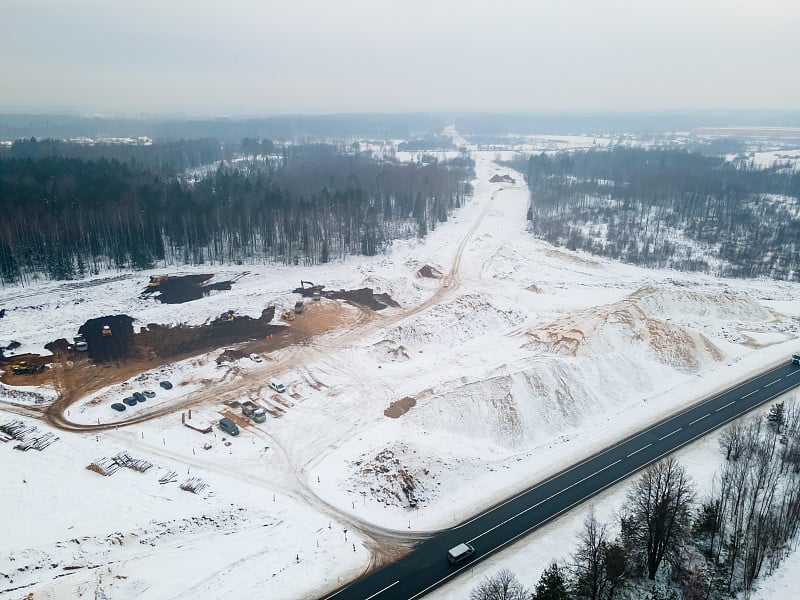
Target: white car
x,y
255,358
277,386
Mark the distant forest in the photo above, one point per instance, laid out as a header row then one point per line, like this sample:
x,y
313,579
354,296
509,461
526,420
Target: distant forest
x,y
669,208
65,217
280,128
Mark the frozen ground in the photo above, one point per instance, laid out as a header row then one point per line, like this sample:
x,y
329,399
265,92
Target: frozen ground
x,y
519,360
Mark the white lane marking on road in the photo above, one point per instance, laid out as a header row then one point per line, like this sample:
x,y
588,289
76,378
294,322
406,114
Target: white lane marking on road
x,y
772,383
639,450
383,590
700,419
793,373
726,406
669,434
550,497
750,394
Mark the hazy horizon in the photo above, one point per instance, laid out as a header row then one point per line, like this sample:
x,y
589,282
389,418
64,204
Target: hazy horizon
x,y
312,57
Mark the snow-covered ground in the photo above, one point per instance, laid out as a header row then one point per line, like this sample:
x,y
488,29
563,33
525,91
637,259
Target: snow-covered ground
x,y
524,359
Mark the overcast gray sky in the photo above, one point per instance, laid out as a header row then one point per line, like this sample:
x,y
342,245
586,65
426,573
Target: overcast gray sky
x,y
249,57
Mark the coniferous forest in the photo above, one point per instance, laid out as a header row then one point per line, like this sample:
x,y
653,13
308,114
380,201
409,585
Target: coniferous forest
x,y
669,208
65,216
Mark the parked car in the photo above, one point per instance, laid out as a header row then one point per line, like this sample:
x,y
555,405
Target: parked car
x,y
276,385
149,394
139,396
118,407
130,401
256,358
165,384
228,426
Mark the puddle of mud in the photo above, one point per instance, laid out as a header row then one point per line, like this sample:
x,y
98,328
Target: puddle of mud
x,y
185,288
363,297
400,407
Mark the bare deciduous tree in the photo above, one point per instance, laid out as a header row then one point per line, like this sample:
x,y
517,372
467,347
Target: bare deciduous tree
x,y
503,585
657,513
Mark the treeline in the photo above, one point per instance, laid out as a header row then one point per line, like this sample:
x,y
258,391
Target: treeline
x,y
65,217
165,158
669,208
670,545
294,128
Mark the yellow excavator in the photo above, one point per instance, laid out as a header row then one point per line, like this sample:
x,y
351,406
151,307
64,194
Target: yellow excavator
x,y
157,280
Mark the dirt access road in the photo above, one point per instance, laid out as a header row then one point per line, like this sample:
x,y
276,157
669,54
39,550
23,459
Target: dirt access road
x,y
338,332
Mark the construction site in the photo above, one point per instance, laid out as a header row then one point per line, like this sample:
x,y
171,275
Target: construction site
x,y
320,420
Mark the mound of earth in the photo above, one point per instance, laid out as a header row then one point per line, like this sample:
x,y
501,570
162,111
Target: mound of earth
x,y
430,272
400,407
625,327
393,477
678,302
540,401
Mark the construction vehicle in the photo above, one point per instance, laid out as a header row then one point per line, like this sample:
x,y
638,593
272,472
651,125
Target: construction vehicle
x,y
309,288
157,280
106,330
255,412
298,307
26,368
287,315
80,343
227,316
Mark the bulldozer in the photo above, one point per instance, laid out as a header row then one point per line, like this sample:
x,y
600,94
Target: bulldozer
x,y
26,368
157,280
287,315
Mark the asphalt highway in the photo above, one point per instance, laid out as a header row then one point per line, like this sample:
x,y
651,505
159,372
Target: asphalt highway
x,y
426,567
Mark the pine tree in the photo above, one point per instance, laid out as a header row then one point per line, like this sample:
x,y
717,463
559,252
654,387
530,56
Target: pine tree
x,y
552,585
776,417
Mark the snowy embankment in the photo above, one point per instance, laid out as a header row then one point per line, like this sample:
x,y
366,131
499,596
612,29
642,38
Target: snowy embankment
x,y
531,358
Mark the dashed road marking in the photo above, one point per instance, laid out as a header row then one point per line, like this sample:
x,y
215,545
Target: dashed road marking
x,y
639,450
700,419
669,434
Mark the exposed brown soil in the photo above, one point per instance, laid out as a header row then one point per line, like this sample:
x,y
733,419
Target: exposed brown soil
x,y
430,272
400,407
185,288
363,297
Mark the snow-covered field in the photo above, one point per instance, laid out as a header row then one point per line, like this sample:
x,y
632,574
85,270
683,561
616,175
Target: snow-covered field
x,y
524,359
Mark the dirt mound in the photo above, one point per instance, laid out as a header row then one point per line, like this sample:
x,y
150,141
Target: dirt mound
x,y
391,480
185,288
400,407
625,327
430,272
